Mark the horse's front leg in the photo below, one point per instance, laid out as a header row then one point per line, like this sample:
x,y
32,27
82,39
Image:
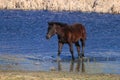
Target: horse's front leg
x,y
71,50
60,45
83,46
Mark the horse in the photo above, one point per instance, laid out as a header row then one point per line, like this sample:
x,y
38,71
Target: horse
x,y
68,34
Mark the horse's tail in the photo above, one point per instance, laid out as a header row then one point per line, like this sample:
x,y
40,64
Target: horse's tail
x,y
84,33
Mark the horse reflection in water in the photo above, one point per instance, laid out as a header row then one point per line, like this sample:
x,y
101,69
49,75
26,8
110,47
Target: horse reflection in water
x,y
79,67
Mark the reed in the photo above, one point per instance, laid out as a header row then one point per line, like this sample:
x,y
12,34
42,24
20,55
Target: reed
x,y
104,6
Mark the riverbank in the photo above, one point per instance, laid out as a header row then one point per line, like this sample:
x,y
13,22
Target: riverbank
x,y
23,75
101,6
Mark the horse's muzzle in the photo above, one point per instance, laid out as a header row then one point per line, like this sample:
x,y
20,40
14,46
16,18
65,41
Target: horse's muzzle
x,y
47,37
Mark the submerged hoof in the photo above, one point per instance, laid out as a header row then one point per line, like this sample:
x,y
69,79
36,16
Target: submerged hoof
x,y
82,57
73,59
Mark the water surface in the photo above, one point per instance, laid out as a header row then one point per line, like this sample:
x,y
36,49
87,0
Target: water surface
x,y
23,45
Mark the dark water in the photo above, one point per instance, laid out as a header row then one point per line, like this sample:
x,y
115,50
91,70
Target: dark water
x,y
23,45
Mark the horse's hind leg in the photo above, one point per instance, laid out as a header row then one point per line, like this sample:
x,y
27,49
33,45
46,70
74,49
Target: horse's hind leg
x,y
78,48
83,45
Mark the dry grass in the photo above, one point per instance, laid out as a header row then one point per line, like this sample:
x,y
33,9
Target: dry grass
x,y
7,75
105,6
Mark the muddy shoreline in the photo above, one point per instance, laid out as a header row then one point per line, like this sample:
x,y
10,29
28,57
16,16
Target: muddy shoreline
x,y
54,75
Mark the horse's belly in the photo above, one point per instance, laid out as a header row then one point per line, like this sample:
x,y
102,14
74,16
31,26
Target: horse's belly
x,y
75,38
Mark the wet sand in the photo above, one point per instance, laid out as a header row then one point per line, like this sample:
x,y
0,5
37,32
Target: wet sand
x,y
54,75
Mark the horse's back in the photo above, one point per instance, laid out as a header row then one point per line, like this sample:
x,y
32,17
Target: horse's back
x,y
78,26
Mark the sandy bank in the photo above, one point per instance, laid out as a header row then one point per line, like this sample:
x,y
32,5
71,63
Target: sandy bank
x,y
19,75
103,6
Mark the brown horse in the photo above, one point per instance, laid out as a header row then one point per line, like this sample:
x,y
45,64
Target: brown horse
x,y
68,34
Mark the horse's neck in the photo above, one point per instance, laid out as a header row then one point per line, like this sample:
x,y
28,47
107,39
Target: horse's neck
x,y
60,31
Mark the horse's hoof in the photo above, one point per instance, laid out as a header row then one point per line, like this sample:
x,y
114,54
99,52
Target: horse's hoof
x,y
83,55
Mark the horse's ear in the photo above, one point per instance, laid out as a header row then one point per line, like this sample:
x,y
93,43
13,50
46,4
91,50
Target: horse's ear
x,y
49,23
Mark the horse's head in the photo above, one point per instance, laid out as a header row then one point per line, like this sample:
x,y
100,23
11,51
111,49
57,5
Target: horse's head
x,y
51,30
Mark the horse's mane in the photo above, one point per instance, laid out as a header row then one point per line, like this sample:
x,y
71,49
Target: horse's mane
x,y
58,23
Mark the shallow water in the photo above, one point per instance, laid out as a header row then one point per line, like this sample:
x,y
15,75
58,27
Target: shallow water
x,y
89,65
23,45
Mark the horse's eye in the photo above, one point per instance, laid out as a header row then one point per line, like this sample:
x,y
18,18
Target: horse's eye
x,y
50,27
